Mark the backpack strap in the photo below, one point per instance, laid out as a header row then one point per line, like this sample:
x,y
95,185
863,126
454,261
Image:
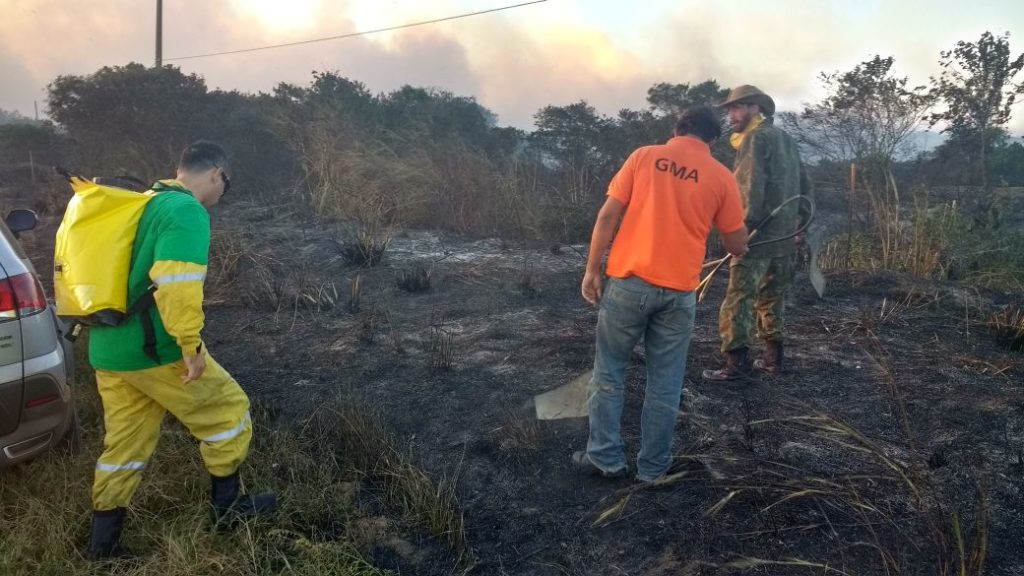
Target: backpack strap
x,y
147,302
161,186
144,308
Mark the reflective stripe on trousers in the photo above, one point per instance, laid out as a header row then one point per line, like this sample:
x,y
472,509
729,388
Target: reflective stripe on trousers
x,y
213,408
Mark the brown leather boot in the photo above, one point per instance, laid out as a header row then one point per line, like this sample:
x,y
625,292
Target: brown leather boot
x,y
770,361
737,367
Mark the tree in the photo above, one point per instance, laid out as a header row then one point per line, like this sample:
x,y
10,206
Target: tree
x,y
572,135
976,85
20,139
27,150
14,117
575,144
667,101
436,115
588,148
868,113
635,128
1008,164
136,119
131,119
956,161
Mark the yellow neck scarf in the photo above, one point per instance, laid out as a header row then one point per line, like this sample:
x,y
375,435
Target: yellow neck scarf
x,y
736,139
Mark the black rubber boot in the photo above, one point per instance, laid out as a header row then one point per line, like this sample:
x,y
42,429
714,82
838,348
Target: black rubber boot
x,y
737,367
771,361
230,507
105,535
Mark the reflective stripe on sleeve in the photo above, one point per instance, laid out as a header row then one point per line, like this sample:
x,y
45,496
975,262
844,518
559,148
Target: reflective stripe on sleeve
x,y
175,278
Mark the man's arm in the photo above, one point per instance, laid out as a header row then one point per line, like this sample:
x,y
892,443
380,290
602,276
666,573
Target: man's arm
x,y
730,217
179,299
604,232
179,271
736,242
756,164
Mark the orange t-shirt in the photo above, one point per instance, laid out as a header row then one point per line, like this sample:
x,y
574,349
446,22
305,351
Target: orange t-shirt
x,y
673,194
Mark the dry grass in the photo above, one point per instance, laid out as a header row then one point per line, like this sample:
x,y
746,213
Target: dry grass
x,y
957,552
519,437
985,367
900,311
441,350
924,240
1007,328
230,253
273,287
414,280
427,504
366,246
355,293
44,524
888,237
317,469
921,247
747,564
50,197
527,281
450,184
320,297
368,183
267,289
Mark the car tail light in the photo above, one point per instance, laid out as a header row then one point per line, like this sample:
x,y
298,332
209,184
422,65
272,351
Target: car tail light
x,y
21,295
41,401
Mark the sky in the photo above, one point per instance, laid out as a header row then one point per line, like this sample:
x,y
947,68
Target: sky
x,y
514,62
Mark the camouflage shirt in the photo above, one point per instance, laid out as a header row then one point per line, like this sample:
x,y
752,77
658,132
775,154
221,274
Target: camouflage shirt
x,y
769,172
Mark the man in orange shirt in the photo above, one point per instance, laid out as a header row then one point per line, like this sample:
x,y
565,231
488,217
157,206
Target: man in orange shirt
x,y
666,199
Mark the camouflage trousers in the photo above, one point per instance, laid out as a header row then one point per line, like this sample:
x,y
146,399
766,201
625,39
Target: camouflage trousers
x,y
757,293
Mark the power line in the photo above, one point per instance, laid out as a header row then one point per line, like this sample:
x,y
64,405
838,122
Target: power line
x,y
354,34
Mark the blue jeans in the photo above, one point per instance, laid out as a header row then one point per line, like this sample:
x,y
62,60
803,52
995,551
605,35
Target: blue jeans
x,y
630,309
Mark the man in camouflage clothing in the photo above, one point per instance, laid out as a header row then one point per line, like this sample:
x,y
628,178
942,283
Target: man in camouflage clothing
x,y
769,172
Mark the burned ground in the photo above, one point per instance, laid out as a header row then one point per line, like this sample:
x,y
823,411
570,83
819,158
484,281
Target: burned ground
x,y
899,424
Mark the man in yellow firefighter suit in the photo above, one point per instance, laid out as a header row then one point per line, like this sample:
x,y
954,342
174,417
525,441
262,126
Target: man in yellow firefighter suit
x,y
155,361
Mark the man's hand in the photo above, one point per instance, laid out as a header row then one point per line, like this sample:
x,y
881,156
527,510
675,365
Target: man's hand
x,y
593,287
604,230
736,242
194,367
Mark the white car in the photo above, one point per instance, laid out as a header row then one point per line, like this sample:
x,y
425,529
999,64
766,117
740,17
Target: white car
x,y
36,360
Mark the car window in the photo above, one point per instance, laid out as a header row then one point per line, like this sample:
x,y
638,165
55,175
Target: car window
x,y
9,237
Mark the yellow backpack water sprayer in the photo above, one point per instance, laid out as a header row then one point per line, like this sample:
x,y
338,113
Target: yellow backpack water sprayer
x,y
93,252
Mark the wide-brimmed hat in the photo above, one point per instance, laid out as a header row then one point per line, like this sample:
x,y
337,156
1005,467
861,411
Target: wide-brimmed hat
x,y
747,94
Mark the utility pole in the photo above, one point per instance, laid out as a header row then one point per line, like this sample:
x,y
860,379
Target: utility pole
x,y
159,33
